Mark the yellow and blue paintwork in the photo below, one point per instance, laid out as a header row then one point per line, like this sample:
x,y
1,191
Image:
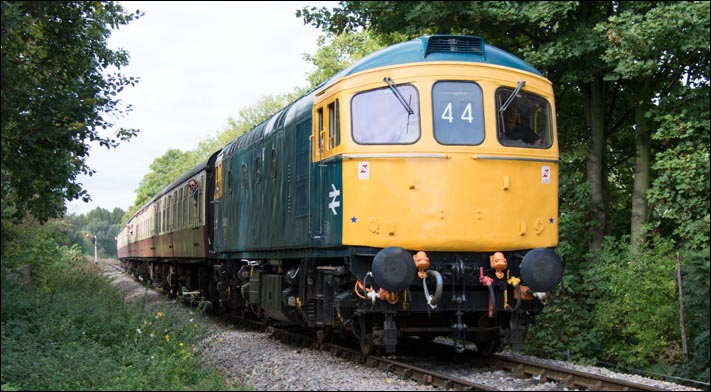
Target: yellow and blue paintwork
x,y
429,196
315,197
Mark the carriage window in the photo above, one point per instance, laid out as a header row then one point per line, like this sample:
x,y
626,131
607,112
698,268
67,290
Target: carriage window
x,y
159,221
274,163
180,207
334,125
218,179
186,204
174,207
167,214
524,120
379,117
320,134
458,113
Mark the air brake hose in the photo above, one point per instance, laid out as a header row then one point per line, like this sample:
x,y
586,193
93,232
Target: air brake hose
x,y
366,290
515,283
370,293
432,301
492,302
518,299
487,281
355,288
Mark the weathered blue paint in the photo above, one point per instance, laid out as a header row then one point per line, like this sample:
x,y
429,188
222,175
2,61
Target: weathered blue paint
x,y
416,50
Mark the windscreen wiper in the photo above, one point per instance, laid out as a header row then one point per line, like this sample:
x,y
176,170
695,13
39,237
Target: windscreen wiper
x,y
506,104
399,96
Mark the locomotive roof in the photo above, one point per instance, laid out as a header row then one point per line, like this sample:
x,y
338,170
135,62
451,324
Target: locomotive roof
x,y
438,48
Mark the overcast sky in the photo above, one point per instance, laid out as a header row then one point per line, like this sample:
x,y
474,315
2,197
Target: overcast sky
x,y
199,64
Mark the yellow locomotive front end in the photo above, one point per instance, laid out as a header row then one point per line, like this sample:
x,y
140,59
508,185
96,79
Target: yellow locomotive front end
x,y
431,170
440,177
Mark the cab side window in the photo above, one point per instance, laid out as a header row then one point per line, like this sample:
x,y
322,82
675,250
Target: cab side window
x,y
334,125
523,119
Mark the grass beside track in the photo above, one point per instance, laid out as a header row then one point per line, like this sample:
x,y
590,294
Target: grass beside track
x,y
75,332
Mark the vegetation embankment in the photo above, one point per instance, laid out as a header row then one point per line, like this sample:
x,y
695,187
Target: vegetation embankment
x,y
70,329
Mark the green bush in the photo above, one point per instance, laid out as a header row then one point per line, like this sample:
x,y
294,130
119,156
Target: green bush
x,y
697,317
72,331
622,309
637,310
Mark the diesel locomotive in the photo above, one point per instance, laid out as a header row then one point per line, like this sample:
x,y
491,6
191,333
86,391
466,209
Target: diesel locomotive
x,y
412,194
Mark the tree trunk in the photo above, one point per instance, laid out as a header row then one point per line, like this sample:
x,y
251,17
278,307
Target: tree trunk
x,y
594,98
641,180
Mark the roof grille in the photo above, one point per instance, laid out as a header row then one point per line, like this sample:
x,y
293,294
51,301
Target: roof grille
x,y
455,44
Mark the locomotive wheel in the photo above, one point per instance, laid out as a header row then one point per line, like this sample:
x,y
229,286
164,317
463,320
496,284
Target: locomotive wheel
x,y
367,347
323,335
172,292
487,348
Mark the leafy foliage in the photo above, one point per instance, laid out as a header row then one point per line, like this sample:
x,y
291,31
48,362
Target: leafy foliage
x,y
632,92
98,223
70,314
29,243
637,303
340,52
174,163
695,278
82,320
681,187
57,97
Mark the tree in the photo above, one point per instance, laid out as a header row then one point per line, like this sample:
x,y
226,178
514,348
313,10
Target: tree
x,y
98,223
57,97
174,163
613,59
336,53
164,170
654,51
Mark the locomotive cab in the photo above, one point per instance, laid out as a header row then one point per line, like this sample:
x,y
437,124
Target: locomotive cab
x,y
457,159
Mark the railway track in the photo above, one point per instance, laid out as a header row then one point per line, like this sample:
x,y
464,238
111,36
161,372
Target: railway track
x,y
523,368
386,365
419,365
567,377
